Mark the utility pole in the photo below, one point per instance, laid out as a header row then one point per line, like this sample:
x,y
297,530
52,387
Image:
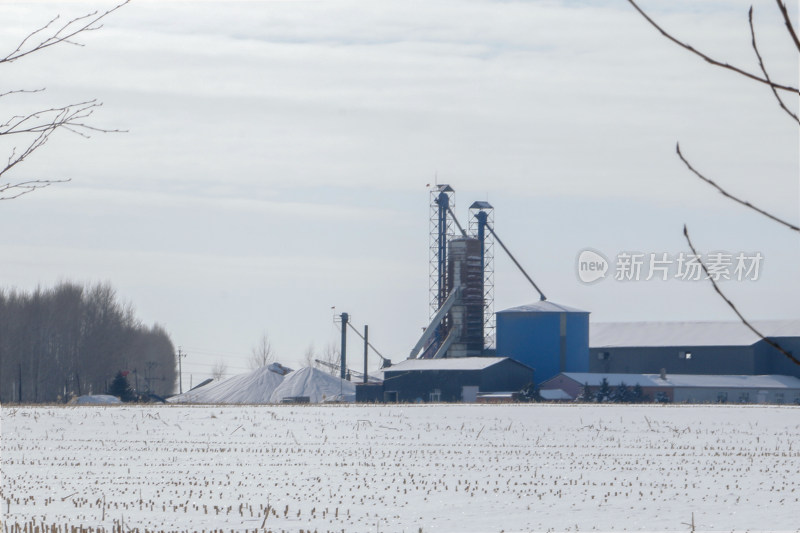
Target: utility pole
x,y
148,376
343,354
366,348
181,355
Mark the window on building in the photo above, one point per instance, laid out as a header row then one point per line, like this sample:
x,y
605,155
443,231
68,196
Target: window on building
x,y
685,355
778,397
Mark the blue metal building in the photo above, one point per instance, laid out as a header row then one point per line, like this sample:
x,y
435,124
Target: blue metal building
x,y
694,347
549,337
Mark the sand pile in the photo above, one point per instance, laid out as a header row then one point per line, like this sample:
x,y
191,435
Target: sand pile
x,y
271,384
317,385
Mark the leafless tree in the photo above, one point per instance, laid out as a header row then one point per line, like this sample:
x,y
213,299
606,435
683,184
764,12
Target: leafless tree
x,y
310,356
34,129
72,340
262,354
219,370
777,89
330,355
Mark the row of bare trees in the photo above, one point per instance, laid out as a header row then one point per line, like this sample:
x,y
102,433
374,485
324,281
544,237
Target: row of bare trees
x,y
72,340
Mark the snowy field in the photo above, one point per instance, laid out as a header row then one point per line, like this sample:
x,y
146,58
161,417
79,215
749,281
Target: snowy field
x,y
459,468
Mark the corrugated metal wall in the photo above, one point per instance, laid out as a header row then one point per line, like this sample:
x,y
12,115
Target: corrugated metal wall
x,y
704,360
549,342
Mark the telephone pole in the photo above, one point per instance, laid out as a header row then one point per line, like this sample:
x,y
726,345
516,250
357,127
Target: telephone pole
x,y
343,353
181,355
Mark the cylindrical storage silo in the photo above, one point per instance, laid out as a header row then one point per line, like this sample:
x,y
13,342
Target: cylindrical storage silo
x,y
548,337
465,270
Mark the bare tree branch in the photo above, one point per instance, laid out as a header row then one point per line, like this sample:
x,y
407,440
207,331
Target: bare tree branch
x,y
24,187
62,34
40,125
789,25
710,59
732,306
764,68
726,194
70,117
18,91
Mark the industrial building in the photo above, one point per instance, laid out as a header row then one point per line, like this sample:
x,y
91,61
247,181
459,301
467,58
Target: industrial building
x,y
469,349
457,379
682,388
693,348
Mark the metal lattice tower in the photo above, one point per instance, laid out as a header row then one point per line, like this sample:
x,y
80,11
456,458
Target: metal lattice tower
x,y
442,199
481,214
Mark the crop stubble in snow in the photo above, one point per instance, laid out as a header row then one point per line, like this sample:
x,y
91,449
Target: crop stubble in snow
x,y
394,468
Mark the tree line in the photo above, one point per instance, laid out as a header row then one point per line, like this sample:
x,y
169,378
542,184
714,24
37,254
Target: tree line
x,y
72,340
622,393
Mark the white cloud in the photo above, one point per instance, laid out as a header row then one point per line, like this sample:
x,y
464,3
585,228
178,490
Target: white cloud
x,y
294,139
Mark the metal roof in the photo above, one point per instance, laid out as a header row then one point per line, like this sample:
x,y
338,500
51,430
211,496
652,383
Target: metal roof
x,y
662,334
451,363
544,306
554,394
688,380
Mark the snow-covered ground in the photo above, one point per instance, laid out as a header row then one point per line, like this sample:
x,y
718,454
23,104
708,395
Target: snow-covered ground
x,y
460,468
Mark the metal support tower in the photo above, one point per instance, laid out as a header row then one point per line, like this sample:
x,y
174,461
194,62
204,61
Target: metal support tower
x,y
481,214
441,232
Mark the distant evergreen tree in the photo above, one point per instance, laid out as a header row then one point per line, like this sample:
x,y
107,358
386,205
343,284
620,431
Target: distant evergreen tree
x,y
121,388
622,394
586,394
637,394
604,393
530,393
661,397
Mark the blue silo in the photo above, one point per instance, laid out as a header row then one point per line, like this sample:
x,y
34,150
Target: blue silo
x,y
549,337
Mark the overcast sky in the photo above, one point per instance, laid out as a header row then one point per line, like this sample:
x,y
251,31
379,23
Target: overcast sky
x,y
278,153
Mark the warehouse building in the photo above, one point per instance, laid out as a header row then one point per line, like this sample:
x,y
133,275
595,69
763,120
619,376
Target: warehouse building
x,y
458,379
683,388
693,348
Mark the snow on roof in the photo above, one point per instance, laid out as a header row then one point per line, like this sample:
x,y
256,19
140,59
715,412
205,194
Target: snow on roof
x,y
316,384
96,399
655,334
255,387
544,306
452,363
554,394
689,380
